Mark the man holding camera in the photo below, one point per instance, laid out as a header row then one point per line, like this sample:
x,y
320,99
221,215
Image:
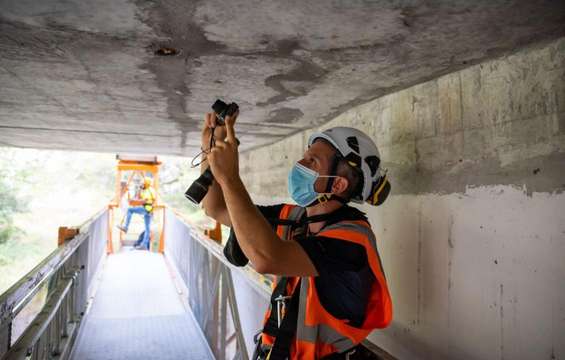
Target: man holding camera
x,y
331,291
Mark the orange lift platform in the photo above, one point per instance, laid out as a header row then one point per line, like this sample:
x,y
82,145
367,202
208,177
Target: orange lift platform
x,y
130,172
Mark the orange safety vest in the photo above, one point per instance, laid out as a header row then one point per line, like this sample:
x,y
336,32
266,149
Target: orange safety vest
x,y
318,333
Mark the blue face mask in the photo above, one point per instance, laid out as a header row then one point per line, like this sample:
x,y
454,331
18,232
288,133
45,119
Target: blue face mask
x,y
301,184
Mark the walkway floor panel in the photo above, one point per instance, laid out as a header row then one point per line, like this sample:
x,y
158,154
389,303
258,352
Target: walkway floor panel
x,y
137,314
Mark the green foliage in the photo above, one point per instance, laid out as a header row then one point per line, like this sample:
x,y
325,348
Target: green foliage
x,y
11,202
8,231
40,191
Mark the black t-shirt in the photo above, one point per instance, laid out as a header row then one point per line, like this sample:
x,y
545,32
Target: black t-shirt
x,y
344,278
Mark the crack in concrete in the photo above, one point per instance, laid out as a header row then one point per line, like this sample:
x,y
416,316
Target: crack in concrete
x,y
38,90
115,103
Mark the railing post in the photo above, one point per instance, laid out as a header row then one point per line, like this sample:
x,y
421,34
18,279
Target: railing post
x,y
215,307
235,313
223,319
109,243
162,230
5,337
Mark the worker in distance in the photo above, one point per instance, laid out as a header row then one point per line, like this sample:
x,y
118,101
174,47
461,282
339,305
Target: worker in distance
x,y
144,206
331,290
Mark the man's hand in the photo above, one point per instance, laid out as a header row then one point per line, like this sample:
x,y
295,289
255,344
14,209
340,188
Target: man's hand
x,y
220,132
210,122
213,203
258,241
223,157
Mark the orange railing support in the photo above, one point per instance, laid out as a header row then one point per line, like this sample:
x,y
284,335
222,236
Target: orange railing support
x,y
215,233
162,231
66,233
109,244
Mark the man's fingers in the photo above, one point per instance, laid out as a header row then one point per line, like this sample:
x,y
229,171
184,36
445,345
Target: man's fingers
x,y
210,120
219,144
211,157
230,120
233,116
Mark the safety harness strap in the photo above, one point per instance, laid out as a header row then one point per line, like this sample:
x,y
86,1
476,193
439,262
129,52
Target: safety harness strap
x,y
284,335
271,325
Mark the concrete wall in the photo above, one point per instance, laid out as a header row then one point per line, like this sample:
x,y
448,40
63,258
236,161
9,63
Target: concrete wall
x,y
473,236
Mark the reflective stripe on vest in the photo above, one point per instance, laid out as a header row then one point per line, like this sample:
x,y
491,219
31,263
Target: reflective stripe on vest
x,y
318,333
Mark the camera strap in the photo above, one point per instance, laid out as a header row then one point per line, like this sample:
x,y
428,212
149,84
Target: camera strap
x,y
211,144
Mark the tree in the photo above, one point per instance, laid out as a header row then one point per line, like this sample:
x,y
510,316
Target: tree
x,y
10,202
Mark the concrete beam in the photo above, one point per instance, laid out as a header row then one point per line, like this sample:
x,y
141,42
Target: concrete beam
x,y
85,76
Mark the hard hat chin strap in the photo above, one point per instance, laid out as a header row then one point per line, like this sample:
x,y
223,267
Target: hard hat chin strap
x,y
327,195
324,198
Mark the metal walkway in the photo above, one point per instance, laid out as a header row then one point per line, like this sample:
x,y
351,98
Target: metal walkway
x,y
138,314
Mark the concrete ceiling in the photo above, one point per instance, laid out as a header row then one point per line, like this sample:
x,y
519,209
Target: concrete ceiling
x,y
84,75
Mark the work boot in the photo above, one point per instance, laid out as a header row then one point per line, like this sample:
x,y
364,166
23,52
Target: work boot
x,y
140,247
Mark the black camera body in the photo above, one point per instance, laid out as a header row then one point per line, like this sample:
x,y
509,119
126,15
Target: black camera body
x,y
200,186
222,110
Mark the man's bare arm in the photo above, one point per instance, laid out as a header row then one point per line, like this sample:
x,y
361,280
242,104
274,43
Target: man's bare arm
x,y
261,245
213,203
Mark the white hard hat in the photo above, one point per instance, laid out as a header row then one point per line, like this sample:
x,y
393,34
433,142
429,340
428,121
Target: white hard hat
x,y
360,152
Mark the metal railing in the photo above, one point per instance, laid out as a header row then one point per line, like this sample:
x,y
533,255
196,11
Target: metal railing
x,y
227,302
68,274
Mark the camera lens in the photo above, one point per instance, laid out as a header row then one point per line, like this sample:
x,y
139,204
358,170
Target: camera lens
x,y
199,187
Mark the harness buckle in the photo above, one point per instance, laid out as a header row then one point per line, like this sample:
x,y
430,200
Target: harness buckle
x,y
349,354
281,308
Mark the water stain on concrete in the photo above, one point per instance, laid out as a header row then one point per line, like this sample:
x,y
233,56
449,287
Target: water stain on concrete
x,y
307,73
185,36
418,180
285,115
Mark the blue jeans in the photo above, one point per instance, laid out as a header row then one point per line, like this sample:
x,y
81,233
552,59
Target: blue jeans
x,y
146,219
